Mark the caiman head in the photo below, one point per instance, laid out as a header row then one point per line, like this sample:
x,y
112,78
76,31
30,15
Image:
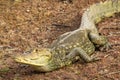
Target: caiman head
x,y
38,58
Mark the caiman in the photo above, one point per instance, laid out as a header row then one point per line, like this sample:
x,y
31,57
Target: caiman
x,y
76,45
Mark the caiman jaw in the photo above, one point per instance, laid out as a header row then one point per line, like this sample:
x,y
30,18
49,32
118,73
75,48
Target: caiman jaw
x,y
29,61
39,57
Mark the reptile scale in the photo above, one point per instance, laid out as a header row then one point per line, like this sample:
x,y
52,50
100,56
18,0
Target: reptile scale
x,y
76,45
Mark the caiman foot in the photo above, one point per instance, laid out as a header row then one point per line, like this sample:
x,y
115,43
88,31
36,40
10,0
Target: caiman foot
x,y
106,47
95,58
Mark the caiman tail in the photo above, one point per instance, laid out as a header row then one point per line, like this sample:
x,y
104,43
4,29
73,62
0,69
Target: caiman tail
x,y
96,12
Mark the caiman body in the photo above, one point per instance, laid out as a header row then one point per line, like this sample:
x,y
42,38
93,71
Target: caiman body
x,y
75,45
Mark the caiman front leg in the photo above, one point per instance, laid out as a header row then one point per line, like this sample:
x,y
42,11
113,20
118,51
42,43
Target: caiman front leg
x,y
100,41
79,53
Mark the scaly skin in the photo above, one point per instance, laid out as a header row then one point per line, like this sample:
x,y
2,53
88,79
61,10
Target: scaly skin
x,y
75,45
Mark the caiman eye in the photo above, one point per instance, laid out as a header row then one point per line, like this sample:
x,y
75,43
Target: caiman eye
x,y
36,50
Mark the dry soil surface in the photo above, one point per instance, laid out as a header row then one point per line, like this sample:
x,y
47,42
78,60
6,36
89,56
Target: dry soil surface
x,y
28,24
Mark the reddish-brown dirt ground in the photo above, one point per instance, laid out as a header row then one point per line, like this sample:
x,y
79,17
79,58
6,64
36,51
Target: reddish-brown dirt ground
x,y
29,24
